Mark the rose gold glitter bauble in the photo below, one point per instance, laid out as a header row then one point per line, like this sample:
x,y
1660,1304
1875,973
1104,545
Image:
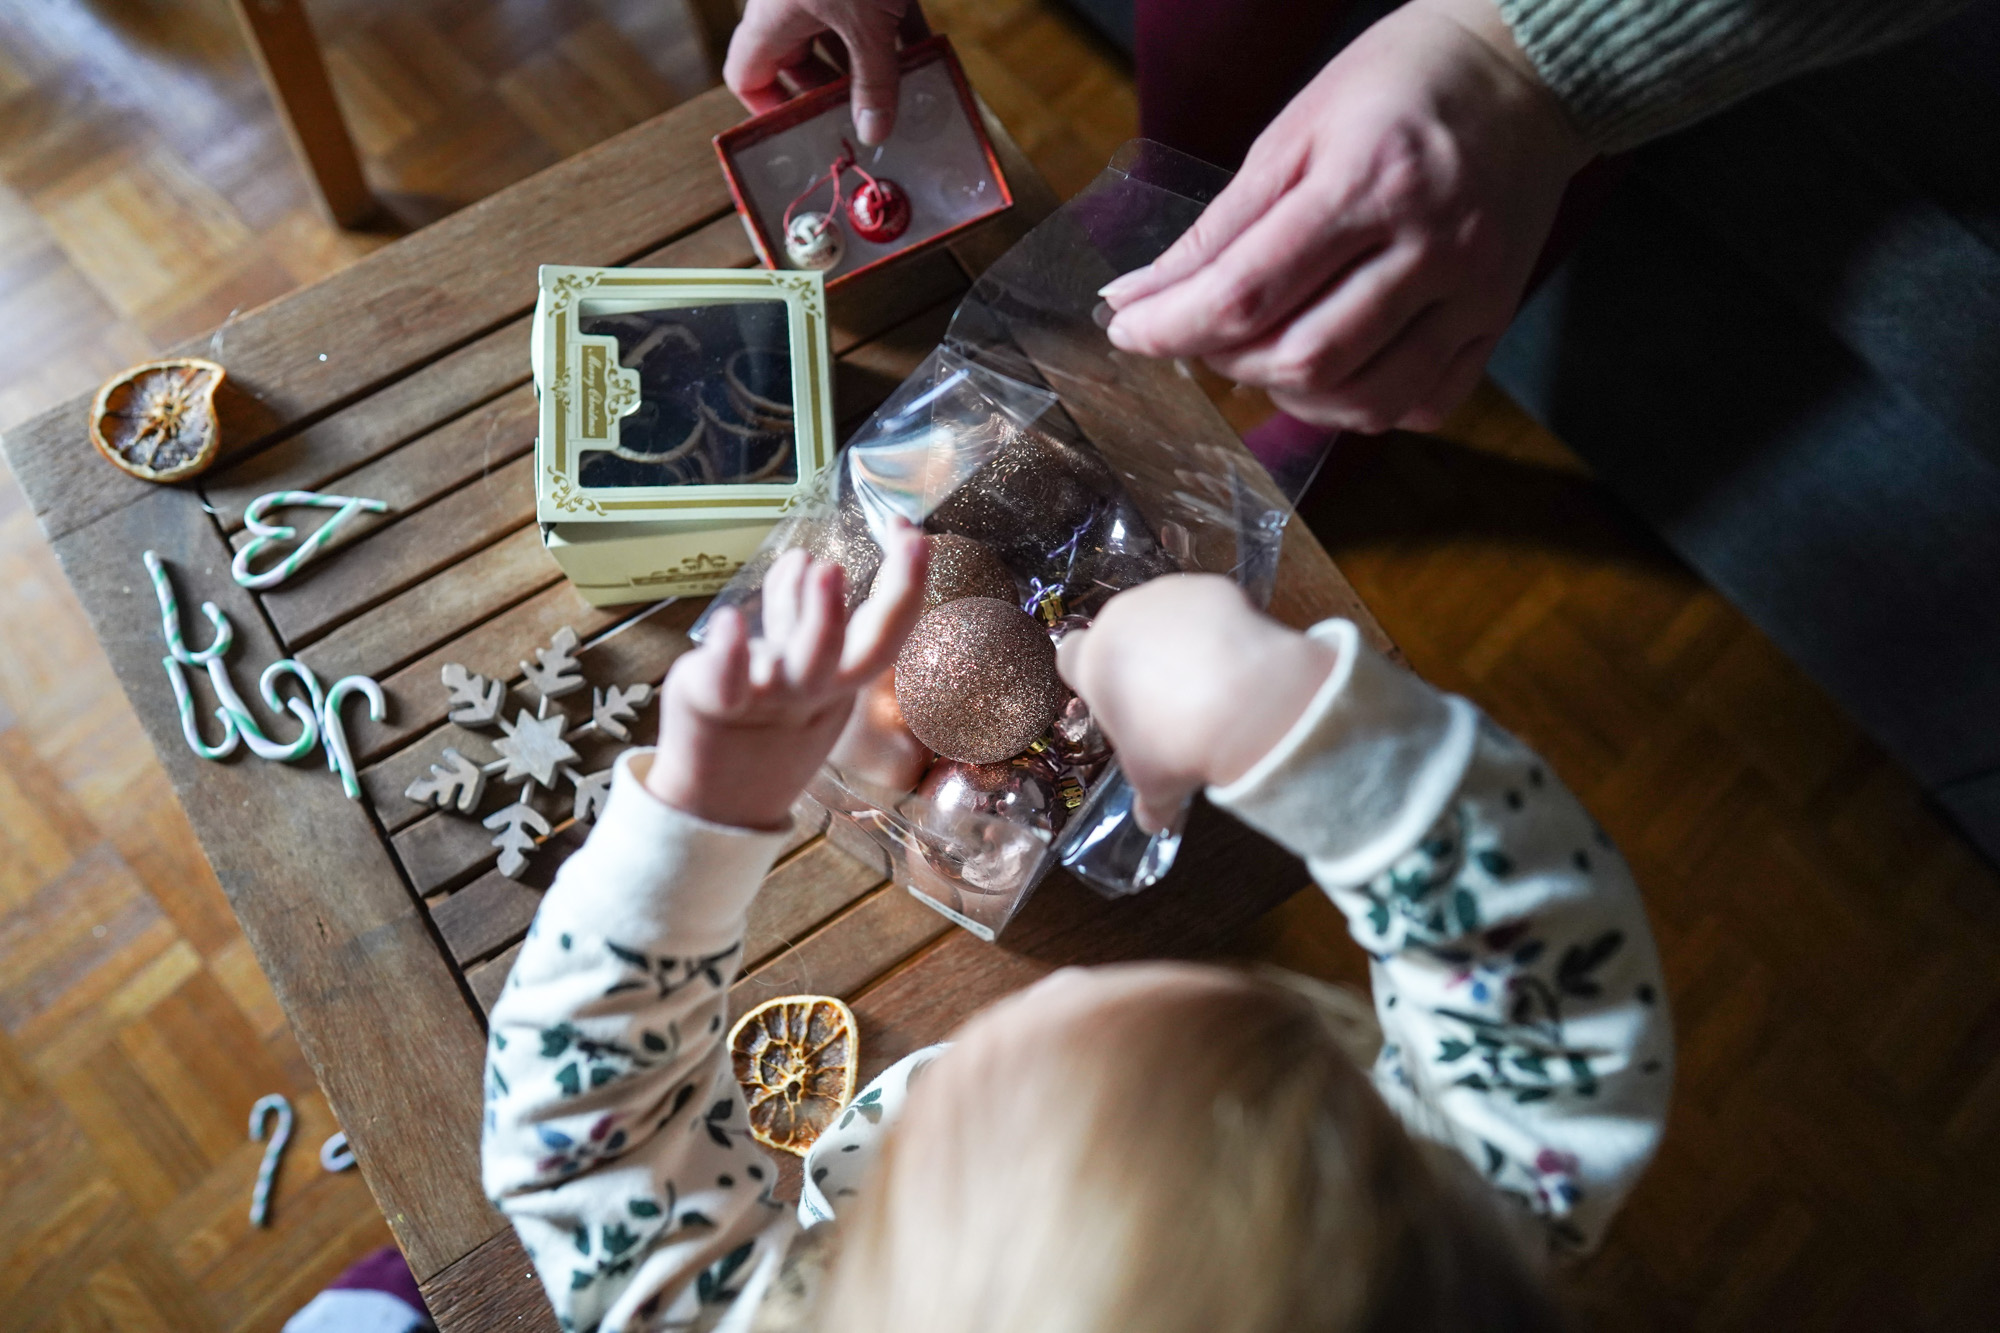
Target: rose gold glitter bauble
x,y
876,748
1028,499
845,540
962,567
977,680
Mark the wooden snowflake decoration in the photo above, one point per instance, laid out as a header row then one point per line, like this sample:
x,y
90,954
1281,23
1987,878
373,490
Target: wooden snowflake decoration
x,y
536,749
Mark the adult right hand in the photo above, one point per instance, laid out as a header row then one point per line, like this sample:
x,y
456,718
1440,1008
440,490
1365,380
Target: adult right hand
x,y
1375,245
773,44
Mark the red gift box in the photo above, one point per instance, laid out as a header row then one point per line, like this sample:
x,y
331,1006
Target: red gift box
x,y
938,155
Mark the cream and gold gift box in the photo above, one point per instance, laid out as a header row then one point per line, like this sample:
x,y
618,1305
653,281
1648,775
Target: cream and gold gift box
x,y
682,412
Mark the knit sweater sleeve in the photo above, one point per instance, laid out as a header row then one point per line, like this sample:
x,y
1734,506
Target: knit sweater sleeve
x,y
1515,977
1631,70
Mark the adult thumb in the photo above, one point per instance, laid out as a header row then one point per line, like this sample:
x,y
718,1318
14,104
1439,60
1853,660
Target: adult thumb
x,y
872,59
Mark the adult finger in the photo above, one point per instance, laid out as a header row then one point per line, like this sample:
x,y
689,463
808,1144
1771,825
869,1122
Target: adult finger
x,y
770,38
876,633
1256,188
1454,386
1373,399
1352,320
1275,265
1395,378
810,71
871,57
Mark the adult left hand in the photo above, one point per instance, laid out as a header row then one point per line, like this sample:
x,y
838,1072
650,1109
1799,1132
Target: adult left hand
x,y
1376,243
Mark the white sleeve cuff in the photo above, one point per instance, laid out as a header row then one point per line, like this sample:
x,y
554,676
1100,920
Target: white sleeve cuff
x,y
658,878
1366,769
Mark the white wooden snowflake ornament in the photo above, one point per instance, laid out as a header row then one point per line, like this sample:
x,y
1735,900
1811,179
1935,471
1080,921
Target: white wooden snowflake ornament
x,y
533,748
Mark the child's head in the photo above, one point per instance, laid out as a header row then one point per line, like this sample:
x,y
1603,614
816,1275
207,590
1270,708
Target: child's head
x,y
1164,1147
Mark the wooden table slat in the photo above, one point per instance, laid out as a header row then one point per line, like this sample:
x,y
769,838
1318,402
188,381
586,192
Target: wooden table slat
x,y
802,892
394,632
487,979
378,424
493,648
842,955
492,1288
403,552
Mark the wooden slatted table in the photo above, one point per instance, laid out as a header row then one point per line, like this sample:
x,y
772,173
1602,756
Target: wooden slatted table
x,y
383,926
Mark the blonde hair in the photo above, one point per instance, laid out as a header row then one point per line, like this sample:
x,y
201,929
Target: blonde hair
x,y
1196,1155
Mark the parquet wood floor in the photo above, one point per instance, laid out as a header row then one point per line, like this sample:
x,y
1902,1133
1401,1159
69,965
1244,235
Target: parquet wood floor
x,y
1833,951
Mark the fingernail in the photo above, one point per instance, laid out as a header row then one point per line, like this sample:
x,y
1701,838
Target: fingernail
x,y
1120,335
872,126
1115,290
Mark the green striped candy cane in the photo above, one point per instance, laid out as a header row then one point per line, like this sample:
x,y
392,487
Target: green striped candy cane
x,y
234,710
189,727
266,535
170,618
338,756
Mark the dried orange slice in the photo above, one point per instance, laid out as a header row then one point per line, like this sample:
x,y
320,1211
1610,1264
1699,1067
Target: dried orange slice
x,y
157,421
796,1058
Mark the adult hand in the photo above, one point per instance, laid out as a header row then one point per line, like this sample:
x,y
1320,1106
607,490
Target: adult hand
x,y
774,41
1376,243
745,723
1191,684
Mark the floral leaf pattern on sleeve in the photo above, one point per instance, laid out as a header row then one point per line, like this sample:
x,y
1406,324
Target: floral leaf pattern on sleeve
x,y
617,1141
1518,991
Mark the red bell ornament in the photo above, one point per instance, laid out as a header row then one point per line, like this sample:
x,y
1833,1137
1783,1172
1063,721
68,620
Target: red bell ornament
x,y
879,210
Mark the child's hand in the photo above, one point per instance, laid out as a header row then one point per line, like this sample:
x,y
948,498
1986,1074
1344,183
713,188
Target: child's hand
x,y
1191,684
744,724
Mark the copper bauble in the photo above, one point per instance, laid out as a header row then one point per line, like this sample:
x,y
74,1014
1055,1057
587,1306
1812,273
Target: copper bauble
x,y
876,749
977,680
962,567
1028,500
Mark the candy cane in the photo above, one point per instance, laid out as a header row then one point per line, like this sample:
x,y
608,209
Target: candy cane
x,y
234,709
271,534
267,685
337,753
260,1197
189,727
334,1154
170,618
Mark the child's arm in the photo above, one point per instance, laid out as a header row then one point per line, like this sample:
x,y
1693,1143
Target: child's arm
x,y
1515,976
615,1137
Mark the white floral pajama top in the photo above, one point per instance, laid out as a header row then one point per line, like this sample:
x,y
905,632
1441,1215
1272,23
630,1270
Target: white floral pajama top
x,y
1516,984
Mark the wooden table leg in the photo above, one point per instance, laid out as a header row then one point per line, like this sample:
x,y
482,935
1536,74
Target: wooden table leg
x,y
281,37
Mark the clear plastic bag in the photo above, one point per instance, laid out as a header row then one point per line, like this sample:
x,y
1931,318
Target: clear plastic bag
x,y
1087,471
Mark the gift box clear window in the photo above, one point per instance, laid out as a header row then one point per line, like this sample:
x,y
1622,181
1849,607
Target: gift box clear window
x,y
696,394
